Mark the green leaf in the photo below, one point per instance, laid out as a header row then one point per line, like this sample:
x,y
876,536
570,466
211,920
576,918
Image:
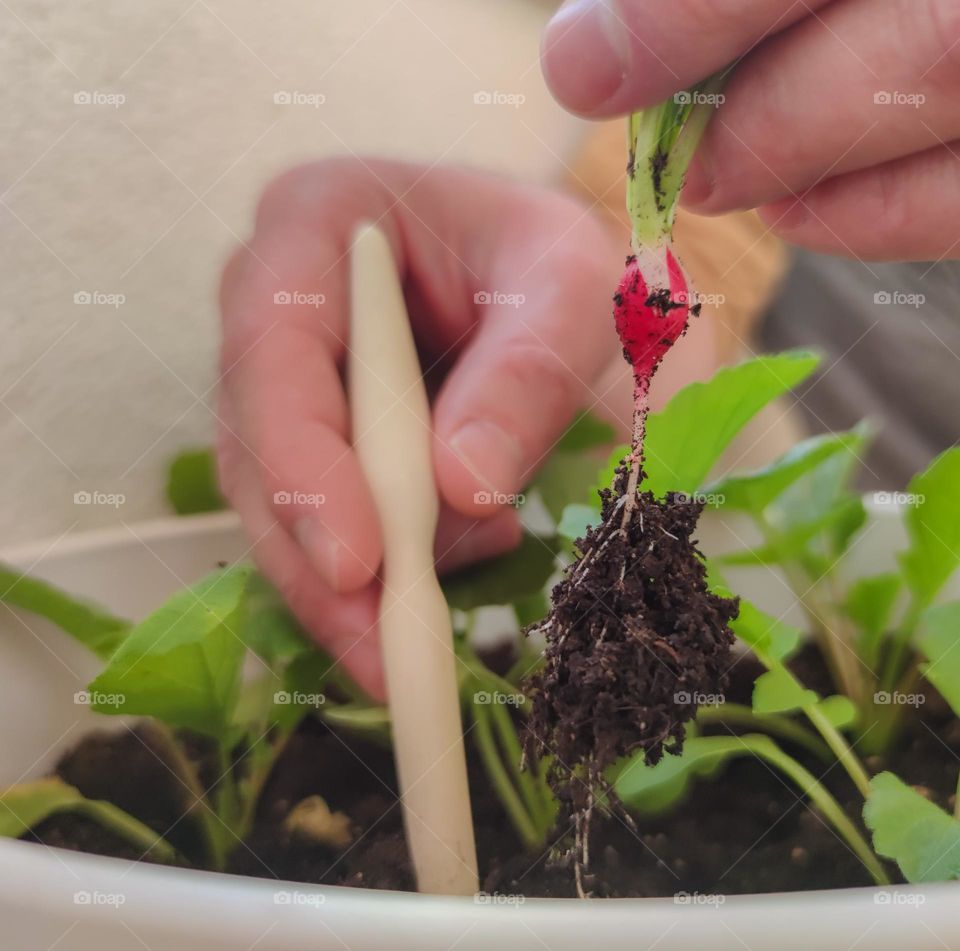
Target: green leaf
x,y
575,521
815,518
754,491
531,608
563,480
572,466
933,525
586,432
919,836
840,711
304,688
778,691
506,579
192,483
267,627
182,664
91,625
802,540
361,719
25,806
651,790
769,638
687,437
869,604
939,641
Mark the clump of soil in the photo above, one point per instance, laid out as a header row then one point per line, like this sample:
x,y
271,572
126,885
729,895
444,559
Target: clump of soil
x,y
634,640
745,832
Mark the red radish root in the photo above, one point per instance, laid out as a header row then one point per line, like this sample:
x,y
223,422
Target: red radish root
x,y
651,312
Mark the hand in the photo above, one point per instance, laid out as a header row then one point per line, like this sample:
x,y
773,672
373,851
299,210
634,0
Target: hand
x,y
508,289
840,119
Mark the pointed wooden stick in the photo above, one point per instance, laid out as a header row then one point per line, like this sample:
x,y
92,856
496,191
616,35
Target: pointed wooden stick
x,y
392,439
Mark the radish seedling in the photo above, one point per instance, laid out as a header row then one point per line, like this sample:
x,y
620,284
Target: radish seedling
x,y
634,636
182,667
810,736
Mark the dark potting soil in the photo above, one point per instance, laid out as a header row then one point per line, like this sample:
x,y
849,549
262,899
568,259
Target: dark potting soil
x,y
746,831
634,639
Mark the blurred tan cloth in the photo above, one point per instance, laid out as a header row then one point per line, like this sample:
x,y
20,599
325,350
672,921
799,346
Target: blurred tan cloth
x,y
732,261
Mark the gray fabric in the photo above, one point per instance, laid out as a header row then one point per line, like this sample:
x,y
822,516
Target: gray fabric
x,y
890,335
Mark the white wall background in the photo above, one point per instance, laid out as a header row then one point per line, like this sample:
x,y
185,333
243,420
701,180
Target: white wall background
x,y
145,199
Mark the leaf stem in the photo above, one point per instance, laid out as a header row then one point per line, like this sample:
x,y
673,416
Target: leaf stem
x,y
766,749
127,827
516,812
900,642
841,749
531,787
888,723
661,142
836,646
198,807
772,723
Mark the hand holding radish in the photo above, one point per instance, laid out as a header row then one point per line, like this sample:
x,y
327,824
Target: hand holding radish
x,y
839,121
508,288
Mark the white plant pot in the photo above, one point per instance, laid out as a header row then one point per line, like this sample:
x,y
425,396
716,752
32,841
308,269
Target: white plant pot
x,y
52,898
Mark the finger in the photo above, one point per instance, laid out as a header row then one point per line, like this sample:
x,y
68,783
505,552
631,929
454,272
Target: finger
x,y
903,210
344,625
861,84
292,414
462,540
607,57
529,367
285,307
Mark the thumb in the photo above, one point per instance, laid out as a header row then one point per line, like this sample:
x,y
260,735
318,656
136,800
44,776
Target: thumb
x,y
531,365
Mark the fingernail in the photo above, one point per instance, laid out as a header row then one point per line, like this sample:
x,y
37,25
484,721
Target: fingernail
x,y
321,547
492,456
585,54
